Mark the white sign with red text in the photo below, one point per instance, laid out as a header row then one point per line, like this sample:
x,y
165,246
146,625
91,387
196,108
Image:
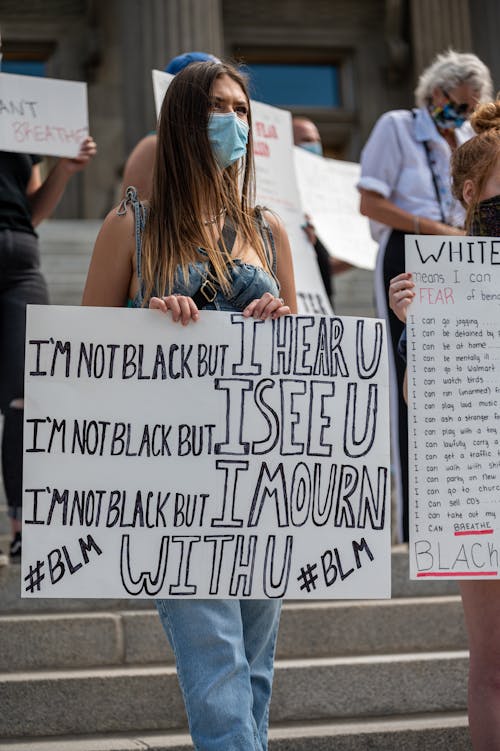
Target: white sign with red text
x,y
42,115
277,189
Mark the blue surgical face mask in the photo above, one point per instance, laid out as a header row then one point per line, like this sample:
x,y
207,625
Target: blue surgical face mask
x,y
228,136
314,147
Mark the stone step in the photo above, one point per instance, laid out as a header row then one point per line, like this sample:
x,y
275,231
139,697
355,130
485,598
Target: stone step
x,y
307,630
66,248
11,602
440,731
129,699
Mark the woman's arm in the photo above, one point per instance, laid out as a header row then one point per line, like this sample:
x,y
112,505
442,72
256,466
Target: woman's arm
x,y
111,267
44,196
380,209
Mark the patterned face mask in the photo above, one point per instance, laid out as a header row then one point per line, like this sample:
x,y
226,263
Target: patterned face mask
x,y
486,218
452,114
448,117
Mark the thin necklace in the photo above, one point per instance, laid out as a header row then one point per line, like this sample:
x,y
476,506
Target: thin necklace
x,y
215,218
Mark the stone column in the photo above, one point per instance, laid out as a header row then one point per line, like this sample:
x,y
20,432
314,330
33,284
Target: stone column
x,y
437,25
153,32
485,21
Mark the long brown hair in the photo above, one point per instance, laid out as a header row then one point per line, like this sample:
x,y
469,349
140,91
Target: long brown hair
x,y
189,187
477,158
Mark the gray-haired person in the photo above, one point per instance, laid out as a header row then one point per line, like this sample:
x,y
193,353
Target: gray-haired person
x,y
405,188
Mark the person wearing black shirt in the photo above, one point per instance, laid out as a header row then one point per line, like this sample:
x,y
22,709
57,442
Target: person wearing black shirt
x,y
24,202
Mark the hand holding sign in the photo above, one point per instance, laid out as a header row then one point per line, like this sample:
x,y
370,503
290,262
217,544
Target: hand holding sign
x,y
401,293
88,149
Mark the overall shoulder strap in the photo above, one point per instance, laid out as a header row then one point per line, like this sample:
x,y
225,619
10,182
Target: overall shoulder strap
x,y
229,235
140,215
268,238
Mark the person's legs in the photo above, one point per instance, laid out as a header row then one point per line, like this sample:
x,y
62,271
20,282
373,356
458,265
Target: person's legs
x,y
21,284
213,670
12,470
260,629
481,600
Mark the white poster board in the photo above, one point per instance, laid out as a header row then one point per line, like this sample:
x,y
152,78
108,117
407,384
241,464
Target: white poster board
x,y
161,81
329,195
454,407
276,188
42,115
228,458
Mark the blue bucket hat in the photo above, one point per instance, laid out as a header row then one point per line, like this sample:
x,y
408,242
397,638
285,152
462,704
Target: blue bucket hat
x,y
182,61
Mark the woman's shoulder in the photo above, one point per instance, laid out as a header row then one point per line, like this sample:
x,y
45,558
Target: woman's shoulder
x,y
268,219
118,226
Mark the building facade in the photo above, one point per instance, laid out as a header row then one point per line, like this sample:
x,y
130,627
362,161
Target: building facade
x,y
341,62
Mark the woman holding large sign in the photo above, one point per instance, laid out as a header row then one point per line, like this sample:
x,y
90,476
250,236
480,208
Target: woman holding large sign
x,y
405,189
475,170
201,244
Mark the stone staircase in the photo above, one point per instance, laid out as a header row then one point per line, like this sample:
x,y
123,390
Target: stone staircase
x,y
98,675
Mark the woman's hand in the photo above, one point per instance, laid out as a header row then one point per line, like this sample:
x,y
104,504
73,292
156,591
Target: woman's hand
x,y
401,293
267,306
88,149
183,308
309,229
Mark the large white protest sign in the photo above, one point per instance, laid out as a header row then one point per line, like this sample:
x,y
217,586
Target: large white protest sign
x,y
454,406
242,459
277,190
329,195
42,115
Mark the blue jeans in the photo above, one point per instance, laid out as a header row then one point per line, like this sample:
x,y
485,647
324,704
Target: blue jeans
x,y
224,651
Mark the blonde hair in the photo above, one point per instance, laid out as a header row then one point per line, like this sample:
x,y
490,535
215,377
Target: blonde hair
x,y
477,158
189,188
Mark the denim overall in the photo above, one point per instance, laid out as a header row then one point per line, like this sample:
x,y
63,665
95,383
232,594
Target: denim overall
x,y
224,649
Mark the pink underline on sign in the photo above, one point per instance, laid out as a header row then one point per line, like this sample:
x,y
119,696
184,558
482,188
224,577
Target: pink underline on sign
x,y
475,532
458,573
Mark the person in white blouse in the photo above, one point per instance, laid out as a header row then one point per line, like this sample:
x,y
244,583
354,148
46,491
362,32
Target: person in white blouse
x,y
405,188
